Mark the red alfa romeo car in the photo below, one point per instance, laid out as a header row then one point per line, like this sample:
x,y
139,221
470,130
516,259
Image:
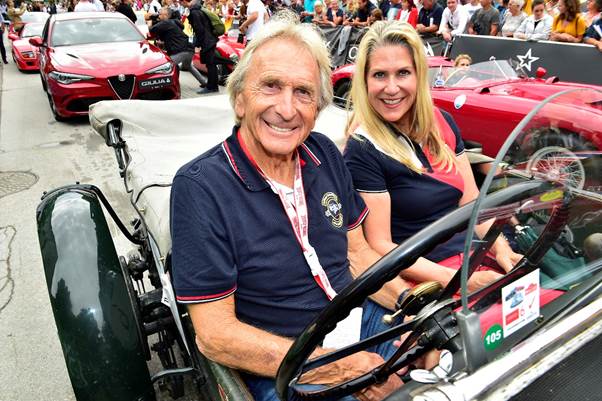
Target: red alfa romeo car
x,y
89,57
24,54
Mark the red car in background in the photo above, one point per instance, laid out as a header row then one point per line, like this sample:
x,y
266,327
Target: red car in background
x,y
488,99
27,18
24,54
89,57
227,53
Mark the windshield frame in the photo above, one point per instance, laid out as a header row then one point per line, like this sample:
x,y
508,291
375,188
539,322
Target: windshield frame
x,y
480,74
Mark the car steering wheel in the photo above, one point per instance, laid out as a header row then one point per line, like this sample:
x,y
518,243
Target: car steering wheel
x,y
433,327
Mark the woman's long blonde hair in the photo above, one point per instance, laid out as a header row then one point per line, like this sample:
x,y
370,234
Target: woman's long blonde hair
x,y
423,128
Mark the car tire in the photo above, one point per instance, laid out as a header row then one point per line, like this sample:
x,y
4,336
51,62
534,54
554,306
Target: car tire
x,y
341,93
96,323
559,163
55,113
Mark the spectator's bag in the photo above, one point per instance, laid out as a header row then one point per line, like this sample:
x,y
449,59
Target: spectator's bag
x,y
217,25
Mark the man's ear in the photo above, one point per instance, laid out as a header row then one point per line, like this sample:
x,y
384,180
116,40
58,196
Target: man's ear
x,y
239,106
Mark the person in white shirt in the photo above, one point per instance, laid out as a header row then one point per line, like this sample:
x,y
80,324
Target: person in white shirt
x,y
472,7
537,26
84,6
99,5
256,17
453,21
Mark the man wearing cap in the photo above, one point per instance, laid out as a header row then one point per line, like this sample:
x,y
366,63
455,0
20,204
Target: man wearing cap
x,y
266,226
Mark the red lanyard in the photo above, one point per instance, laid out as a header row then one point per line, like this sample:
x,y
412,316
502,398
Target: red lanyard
x,y
298,217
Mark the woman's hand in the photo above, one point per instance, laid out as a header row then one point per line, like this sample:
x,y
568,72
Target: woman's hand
x,y
482,279
505,257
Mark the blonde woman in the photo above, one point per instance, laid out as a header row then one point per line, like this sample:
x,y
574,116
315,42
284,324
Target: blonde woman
x,y
406,158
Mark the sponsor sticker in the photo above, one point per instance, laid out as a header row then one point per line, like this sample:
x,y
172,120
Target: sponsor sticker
x,y
155,83
520,303
552,195
493,337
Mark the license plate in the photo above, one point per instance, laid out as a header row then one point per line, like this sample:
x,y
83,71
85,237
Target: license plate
x,y
154,83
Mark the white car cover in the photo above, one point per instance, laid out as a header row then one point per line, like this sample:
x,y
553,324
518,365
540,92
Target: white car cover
x,y
161,136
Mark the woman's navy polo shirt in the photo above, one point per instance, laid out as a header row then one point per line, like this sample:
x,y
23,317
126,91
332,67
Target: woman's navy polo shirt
x,y
417,200
230,233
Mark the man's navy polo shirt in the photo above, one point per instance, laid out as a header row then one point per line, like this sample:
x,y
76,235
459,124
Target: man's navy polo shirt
x,y
230,234
417,200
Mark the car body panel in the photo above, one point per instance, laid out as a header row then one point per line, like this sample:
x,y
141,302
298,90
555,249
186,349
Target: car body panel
x,y
96,321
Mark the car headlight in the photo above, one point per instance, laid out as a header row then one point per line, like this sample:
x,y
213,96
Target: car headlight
x,y
166,68
66,78
27,55
234,58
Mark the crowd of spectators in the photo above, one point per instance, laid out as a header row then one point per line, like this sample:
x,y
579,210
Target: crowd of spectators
x,y
556,20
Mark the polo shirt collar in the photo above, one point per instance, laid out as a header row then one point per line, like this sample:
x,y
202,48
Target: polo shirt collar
x,y
248,174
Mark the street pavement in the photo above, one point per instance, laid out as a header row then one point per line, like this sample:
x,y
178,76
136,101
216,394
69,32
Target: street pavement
x,y
37,154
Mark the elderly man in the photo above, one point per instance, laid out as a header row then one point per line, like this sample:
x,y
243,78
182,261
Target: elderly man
x,y
264,223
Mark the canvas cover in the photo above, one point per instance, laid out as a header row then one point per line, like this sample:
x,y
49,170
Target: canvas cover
x,y
161,136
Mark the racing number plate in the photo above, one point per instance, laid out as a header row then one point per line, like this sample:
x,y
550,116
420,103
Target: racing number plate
x,y
154,83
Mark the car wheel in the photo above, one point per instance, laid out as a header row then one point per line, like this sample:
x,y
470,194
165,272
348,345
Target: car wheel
x,y
55,113
566,154
341,93
559,164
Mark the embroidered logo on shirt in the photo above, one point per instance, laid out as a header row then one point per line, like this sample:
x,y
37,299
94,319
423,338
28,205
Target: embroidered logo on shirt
x,y
332,209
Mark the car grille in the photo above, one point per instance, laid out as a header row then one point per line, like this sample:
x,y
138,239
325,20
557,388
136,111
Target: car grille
x,y
82,105
123,89
164,94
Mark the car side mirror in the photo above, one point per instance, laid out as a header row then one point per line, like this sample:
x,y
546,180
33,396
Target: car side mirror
x,y
13,36
35,41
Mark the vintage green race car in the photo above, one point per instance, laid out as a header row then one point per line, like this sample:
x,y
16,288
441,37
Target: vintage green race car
x,y
534,334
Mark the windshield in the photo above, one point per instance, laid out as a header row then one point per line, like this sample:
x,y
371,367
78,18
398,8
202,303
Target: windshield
x,y
477,74
93,30
30,30
34,17
549,173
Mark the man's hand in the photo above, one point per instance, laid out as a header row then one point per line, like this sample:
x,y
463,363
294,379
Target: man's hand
x,y
242,29
420,28
447,36
351,367
378,392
